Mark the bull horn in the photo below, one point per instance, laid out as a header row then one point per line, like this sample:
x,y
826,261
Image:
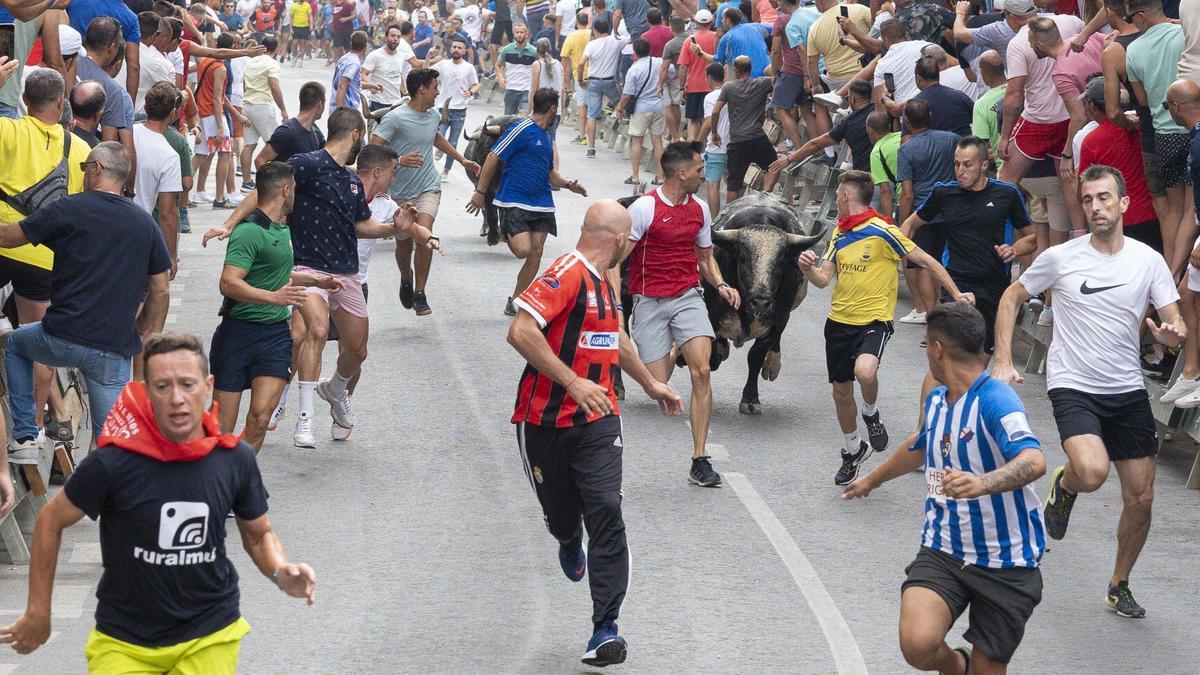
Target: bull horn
x,y
493,129
467,135
802,240
726,235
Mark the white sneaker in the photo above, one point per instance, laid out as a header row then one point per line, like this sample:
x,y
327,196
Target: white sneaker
x,y
1189,400
1046,318
913,317
339,408
304,438
1182,387
25,452
235,197
338,432
202,197
280,411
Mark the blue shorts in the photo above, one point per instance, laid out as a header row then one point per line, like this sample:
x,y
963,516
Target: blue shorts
x,y
789,92
597,90
714,166
242,351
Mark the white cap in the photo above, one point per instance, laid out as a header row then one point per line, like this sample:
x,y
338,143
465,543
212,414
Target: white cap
x,y
703,16
69,40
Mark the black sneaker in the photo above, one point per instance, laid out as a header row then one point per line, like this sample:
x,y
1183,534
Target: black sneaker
x,y
509,308
406,294
850,464
876,432
591,153
1058,506
702,473
420,304
1120,600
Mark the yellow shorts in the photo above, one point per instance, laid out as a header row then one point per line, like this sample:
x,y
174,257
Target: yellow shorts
x,y
213,654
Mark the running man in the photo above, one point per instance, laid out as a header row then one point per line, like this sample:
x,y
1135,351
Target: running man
x,y
568,422
161,483
864,251
982,543
669,249
1102,283
412,131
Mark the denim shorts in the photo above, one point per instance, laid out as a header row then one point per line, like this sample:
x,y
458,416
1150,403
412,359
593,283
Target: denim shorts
x,y
715,164
597,90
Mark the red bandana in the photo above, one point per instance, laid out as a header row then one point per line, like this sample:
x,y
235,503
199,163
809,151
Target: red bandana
x,y
850,222
131,426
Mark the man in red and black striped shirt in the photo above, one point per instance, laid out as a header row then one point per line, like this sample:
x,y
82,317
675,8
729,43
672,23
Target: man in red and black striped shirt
x,y
568,328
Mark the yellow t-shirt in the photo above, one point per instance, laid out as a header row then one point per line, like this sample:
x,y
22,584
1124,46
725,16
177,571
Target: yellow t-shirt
x,y
30,150
573,48
867,279
301,14
841,62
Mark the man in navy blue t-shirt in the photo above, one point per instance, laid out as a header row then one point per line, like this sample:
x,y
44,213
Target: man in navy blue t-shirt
x,y
524,202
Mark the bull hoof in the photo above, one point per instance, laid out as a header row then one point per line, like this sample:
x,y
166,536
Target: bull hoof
x,y
750,408
493,236
770,366
680,362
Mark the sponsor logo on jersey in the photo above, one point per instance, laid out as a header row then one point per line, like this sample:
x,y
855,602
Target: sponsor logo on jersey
x,y
598,340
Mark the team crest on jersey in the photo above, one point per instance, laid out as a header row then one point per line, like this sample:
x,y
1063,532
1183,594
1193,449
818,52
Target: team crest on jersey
x,y
966,435
354,188
866,254
550,280
945,445
591,299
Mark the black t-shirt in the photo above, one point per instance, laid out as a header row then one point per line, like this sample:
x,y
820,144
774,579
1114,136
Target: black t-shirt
x,y
291,138
162,536
975,223
105,247
330,201
951,109
853,130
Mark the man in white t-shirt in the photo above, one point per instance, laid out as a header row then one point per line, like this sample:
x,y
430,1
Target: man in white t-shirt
x,y
900,62
155,67
263,96
159,180
388,67
472,21
459,82
1102,284
714,153
600,63
564,20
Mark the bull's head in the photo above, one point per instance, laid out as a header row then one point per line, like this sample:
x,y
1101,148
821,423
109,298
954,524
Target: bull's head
x,y
487,128
763,253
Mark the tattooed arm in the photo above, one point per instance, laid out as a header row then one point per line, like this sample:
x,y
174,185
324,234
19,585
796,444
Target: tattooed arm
x,y
1021,471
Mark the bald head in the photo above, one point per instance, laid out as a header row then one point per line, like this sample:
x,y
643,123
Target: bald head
x,y
605,230
1183,100
991,67
741,66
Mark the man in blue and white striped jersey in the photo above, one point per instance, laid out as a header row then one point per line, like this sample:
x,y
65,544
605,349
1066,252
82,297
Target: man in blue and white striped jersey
x,y
983,537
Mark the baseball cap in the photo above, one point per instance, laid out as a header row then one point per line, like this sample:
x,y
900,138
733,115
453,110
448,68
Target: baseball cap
x,y
69,40
1094,91
1020,7
998,6
703,16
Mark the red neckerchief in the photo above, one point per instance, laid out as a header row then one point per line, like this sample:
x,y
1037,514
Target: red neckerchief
x,y
131,426
848,223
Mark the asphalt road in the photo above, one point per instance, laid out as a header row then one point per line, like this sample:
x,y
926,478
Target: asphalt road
x,y
431,555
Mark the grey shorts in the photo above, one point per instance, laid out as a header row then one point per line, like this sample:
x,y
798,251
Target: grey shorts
x,y
660,323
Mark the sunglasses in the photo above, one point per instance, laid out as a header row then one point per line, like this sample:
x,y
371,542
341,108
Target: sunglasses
x,y
1129,17
84,165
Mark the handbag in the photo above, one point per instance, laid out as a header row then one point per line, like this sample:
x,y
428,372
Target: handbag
x,y
631,106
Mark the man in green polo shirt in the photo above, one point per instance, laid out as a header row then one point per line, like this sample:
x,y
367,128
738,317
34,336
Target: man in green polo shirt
x,y
252,346
886,145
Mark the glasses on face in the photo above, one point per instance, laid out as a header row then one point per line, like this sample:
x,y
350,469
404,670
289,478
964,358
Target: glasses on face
x,y
1166,105
84,165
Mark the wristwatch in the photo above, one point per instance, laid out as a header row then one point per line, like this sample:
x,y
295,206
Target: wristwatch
x,y
724,285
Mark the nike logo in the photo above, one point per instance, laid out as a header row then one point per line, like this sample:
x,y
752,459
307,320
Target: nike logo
x,y
667,219
1086,290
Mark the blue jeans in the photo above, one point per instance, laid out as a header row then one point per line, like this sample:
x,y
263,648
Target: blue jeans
x,y
106,374
515,101
8,111
455,126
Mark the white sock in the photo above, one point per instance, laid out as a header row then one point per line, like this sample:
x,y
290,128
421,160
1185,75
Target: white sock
x,y
852,441
307,391
284,394
869,409
337,384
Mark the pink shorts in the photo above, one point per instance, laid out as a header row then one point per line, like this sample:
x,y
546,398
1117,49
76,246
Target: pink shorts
x,y
1039,141
350,298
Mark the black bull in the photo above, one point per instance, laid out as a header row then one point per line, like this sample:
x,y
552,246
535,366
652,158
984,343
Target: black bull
x,y
756,242
479,145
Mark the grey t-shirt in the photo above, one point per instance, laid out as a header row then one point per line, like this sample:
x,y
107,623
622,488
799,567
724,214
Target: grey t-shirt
x,y
115,113
407,130
24,35
927,158
673,48
634,13
747,103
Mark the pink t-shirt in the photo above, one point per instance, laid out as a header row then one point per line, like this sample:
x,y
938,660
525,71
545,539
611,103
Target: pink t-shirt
x,y
1042,102
1072,70
766,13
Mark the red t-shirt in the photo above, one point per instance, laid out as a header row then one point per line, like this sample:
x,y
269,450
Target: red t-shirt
x,y
344,9
663,262
789,57
580,317
697,81
658,37
1120,148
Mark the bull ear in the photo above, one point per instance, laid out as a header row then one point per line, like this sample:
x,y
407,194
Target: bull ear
x,y
802,242
725,236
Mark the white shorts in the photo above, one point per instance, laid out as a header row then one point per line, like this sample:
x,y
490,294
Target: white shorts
x,y
660,323
208,139
263,121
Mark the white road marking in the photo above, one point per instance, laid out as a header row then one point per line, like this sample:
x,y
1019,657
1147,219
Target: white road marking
x,y
846,654
175,301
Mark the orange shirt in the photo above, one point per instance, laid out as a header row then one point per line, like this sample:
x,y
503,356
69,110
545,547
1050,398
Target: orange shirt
x,y
697,81
206,71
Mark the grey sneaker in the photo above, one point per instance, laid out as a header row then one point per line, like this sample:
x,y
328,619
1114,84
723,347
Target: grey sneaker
x,y
339,408
1120,600
27,451
1059,503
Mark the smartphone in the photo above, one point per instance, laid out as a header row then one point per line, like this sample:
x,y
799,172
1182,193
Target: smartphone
x,y
889,83
8,40
845,11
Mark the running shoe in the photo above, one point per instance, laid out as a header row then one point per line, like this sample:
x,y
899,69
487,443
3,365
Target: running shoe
x,y
406,294
1191,400
420,304
913,317
303,437
237,170
702,473
509,308
338,432
25,451
1160,370
224,204
1058,506
280,411
236,198
1046,318
339,408
573,562
185,223
851,463
591,153
1182,387
606,647
248,186
876,432
199,197
1120,600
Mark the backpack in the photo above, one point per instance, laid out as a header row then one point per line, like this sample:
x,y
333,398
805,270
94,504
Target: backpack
x,y
46,190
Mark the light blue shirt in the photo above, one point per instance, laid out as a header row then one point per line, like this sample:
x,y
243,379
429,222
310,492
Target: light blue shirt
x,y
407,130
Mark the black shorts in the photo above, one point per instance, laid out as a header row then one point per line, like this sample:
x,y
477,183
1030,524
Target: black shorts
x,y
515,220
502,32
301,33
931,238
29,281
1123,421
742,154
1149,233
789,92
693,105
242,351
844,343
1001,600
1172,151
341,40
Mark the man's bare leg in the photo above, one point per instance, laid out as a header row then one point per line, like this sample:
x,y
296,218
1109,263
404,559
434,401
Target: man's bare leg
x,y
697,352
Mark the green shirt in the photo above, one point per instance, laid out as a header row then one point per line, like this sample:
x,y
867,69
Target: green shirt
x,y
883,162
180,145
985,120
1153,60
266,255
